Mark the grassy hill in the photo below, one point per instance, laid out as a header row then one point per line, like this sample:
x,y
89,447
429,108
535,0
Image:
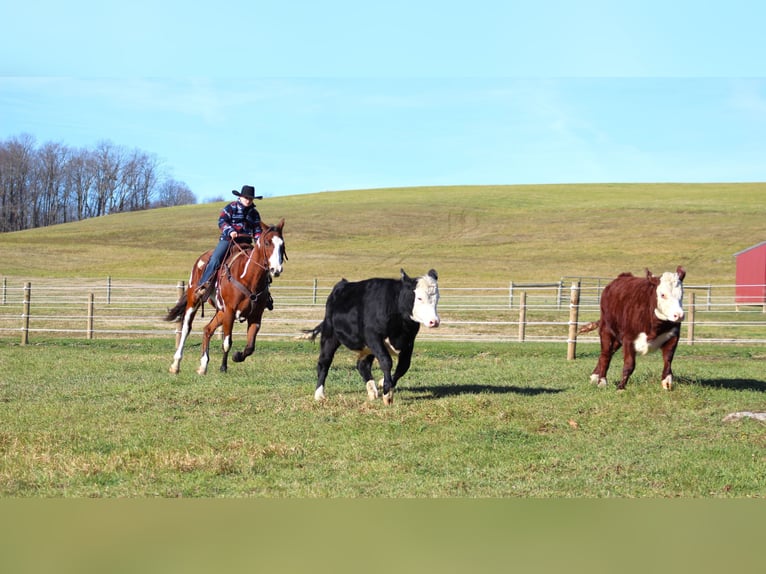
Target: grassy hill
x,y
470,234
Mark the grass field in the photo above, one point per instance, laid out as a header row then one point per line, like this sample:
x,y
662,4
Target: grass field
x,y
471,235
104,419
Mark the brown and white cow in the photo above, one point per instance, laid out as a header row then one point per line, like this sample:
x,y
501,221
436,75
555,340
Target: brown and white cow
x,y
639,314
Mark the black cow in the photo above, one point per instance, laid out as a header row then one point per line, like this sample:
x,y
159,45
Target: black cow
x,y
372,316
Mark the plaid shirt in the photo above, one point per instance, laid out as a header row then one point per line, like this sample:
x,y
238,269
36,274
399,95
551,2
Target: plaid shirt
x,y
237,217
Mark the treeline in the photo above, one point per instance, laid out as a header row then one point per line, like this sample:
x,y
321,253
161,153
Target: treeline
x,y
53,183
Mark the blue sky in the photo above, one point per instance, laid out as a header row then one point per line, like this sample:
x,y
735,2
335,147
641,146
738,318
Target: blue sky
x,y
300,97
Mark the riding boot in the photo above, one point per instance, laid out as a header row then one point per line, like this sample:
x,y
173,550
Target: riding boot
x,y
203,291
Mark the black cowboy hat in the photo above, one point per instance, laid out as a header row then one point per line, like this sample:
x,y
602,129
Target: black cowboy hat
x,y
247,191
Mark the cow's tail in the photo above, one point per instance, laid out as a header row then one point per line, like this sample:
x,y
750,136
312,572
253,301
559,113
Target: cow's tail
x,y
588,327
311,334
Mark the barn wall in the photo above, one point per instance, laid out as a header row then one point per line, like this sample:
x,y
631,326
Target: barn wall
x,y
751,276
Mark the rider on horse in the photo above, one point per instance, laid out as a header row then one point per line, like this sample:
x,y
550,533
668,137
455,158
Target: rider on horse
x,y
238,221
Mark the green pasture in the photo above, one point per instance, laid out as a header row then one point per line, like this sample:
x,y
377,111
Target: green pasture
x,y
104,419
469,234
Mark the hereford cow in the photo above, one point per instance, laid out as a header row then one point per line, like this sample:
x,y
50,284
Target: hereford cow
x,y
639,314
372,316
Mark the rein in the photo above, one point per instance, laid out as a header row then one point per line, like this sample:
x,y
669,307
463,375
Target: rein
x,y
252,297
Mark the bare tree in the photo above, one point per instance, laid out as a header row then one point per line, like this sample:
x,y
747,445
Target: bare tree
x,y
81,173
55,184
16,172
50,190
172,193
108,161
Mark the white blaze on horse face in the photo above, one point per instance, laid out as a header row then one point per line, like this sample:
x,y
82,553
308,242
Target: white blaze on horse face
x,y
275,261
426,299
670,295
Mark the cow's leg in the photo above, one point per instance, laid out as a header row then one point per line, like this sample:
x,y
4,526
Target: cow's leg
x,y
207,333
327,349
188,319
628,364
668,350
609,345
385,363
364,366
402,364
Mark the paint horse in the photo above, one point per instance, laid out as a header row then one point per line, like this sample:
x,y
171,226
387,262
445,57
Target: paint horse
x,y
241,293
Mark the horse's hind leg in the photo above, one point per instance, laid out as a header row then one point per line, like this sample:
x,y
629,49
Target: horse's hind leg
x,y
188,318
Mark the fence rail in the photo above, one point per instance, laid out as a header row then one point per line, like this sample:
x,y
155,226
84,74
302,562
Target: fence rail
x,y
540,312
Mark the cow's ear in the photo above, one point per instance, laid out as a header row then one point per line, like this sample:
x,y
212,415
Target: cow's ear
x,y
681,273
648,273
433,274
405,277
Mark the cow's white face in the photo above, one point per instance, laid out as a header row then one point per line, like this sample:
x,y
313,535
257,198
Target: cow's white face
x,y
426,299
670,295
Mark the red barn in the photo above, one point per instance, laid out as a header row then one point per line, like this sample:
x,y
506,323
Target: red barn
x,y
751,275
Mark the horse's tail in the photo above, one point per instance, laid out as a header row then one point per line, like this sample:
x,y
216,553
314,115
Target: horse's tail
x,y
588,327
177,312
311,334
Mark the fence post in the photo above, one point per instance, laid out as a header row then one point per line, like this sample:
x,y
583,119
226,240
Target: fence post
x,y
25,314
5,289
559,293
91,308
510,296
690,320
314,292
574,308
522,315
108,289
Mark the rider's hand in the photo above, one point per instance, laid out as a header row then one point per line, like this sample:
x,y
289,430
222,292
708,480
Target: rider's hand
x,y
233,234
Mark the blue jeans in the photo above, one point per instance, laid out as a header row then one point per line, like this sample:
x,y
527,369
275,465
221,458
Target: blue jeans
x,y
215,261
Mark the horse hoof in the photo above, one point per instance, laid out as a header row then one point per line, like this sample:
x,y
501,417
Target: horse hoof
x,y
319,394
238,357
388,398
173,370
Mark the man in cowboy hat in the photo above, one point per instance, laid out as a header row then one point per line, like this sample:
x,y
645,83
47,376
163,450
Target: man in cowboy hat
x,y
238,221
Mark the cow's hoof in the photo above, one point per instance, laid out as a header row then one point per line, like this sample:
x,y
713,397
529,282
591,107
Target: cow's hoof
x,y
202,371
319,394
372,391
388,398
602,382
594,379
667,383
380,384
173,370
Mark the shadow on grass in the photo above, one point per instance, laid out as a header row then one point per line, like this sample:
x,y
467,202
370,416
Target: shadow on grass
x,y
440,391
730,384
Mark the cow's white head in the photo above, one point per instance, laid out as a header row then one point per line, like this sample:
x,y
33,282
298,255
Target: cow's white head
x,y
670,296
426,299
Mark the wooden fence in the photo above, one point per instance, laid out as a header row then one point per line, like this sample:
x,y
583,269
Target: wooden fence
x,y
540,312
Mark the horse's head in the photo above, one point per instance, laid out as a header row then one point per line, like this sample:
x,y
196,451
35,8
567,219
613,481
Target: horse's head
x,y
273,244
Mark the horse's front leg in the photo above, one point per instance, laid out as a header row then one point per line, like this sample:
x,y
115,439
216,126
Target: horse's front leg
x,y
175,367
207,333
252,332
